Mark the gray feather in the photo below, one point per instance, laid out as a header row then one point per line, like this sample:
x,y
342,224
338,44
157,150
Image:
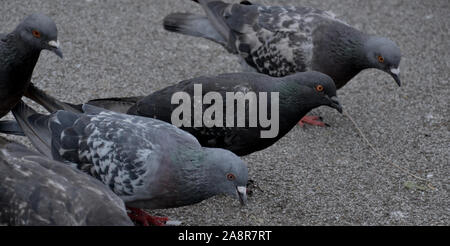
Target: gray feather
x,y
48,102
214,11
193,25
37,191
11,127
35,126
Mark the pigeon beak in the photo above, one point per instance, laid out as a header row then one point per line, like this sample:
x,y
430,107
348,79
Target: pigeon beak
x,y
336,104
395,73
242,194
54,47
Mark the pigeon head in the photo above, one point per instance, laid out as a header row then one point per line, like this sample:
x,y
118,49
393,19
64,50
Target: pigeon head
x,y
39,32
385,55
317,89
227,173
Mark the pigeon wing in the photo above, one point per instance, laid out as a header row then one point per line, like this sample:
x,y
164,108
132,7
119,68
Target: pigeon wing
x,y
275,40
125,152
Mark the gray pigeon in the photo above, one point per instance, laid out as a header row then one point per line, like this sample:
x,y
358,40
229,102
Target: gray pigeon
x,y
279,41
19,53
146,162
298,94
37,191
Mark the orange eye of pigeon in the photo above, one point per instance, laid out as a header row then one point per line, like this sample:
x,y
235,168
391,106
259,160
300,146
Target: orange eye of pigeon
x,y
380,59
35,33
319,88
230,176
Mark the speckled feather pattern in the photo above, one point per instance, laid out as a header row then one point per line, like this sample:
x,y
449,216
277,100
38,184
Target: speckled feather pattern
x,y
122,151
278,41
275,40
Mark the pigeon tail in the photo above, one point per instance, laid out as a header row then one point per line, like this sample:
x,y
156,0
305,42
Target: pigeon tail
x,y
242,2
11,127
116,104
192,25
34,126
120,105
48,102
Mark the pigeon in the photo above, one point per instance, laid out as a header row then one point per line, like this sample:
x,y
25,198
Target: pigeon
x,y
279,41
38,191
19,53
148,163
298,94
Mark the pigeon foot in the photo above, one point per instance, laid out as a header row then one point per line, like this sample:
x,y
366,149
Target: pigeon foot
x,y
312,120
252,186
141,217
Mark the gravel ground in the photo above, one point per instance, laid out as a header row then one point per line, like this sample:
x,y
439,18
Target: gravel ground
x,y
313,176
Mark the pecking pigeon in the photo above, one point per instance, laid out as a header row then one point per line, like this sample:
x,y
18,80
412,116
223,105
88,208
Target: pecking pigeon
x,y
279,41
298,94
146,162
19,53
38,191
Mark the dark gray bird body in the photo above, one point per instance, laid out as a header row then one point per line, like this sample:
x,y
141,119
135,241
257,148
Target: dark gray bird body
x,y
279,41
38,191
297,96
146,162
14,77
19,53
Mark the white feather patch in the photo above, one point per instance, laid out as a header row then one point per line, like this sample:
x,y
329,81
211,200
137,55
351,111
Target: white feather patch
x,y
395,71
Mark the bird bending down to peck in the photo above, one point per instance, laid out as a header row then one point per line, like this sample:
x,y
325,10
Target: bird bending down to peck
x,y
148,163
19,53
279,41
297,95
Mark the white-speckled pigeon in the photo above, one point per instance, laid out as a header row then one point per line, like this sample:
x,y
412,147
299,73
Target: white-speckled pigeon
x,y
146,162
38,191
283,40
298,94
19,53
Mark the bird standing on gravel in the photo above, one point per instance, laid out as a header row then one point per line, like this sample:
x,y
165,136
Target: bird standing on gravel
x,y
19,53
38,191
279,41
297,95
146,162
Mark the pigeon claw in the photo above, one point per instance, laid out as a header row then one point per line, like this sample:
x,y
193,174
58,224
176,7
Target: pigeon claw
x,y
140,217
252,186
312,120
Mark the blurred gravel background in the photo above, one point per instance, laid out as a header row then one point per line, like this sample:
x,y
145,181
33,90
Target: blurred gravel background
x,y
313,176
